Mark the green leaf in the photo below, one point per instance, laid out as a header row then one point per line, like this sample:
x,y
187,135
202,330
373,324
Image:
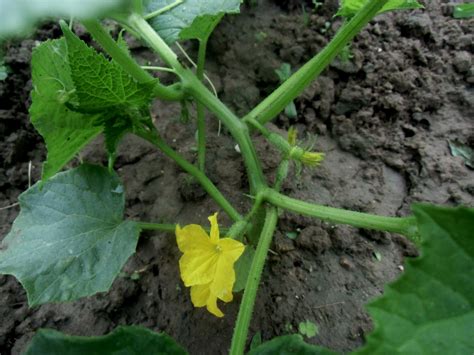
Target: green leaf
x,y
242,268
464,10
129,340
256,340
18,16
70,239
430,308
114,130
201,28
459,149
65,132
349,8
289,344
102,85
197,17
308,329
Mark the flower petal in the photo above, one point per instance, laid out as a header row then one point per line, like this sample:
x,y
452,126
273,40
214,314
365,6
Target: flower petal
x,y
198,267
192,237
224,278
214,228
200,294
212,306
232,249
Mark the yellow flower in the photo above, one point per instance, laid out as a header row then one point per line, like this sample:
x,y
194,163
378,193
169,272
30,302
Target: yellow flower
x,y
207,265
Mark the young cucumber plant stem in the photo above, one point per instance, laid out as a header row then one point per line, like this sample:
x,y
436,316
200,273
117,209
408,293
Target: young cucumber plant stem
x,y
401,225
170,228
291,88
128,63
248,300
199,91
201,116
154,138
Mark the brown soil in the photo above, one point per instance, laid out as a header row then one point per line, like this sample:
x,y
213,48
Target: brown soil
x,y
383,119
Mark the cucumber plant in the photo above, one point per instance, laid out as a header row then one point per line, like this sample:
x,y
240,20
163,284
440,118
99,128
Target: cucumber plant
x,y
71,239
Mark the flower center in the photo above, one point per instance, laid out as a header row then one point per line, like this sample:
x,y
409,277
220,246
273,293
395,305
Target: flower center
x,y
218,248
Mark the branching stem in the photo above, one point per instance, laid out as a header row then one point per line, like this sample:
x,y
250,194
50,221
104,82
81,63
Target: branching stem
x,y
154,138
402,225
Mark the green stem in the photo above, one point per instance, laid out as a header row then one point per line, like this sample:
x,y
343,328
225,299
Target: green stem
x,y
157,227
148,67
201,117
198,90
148,34
163,9
154,138
291,88
401,225
236,127
281,174
248,300
171,228
127,62
278,141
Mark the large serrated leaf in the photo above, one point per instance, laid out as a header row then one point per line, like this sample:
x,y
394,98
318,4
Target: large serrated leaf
x,y
196,17
70,239
65,132
18,16
430,309
351,7
289,345
102,85
129,340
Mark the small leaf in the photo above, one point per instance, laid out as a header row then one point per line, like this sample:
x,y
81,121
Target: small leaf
x,y
459,149
289,344
242,268
308,329
430,308
18,16
130,340
290,110
256,340
291,235
349,8
65,132
185,16
465,10
284,72
70,239
102,85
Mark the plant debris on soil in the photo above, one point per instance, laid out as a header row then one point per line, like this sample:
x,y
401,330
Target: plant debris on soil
x,y
383,117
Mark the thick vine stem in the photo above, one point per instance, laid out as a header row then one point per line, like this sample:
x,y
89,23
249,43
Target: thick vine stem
x,y
291,88
248,300
199,91
401,225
